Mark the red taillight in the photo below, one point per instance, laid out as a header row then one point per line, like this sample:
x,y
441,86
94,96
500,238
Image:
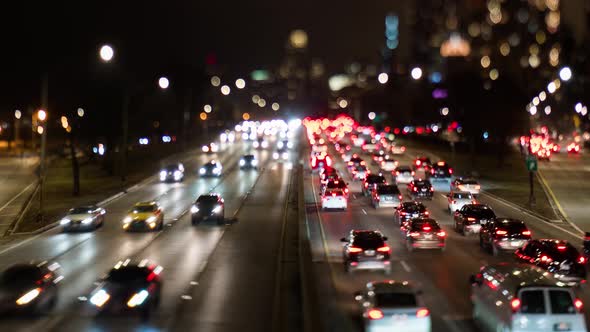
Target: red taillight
x,y
450,171
422,313
582,260
366,184
418,162
354,249
515,304
383,249
333,194
579,304
501,232
414,234
432,171
527,233
471,219
415,189
546,259
346,190
396,172
431,188
561,247
375,314
399,197
426,228
413,173
403,213
426,213
441,234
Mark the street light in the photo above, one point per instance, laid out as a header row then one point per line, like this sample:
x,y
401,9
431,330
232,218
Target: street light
x,y
18,114
106,53
565,74
207,108
416,73
163,82
215,81
240,83
275,106
225,90
383,78
80,112
41,115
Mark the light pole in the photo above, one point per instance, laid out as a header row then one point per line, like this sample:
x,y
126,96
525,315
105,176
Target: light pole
x,y
42,130
17,116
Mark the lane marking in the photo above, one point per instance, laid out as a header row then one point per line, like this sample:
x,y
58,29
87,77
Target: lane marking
x,y
17,195
561,210
365,212
406,266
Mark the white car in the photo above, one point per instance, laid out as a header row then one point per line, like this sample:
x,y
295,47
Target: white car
x,y
457,199
83,218
280,155
388,165
467,185
404,175
334,199
393,306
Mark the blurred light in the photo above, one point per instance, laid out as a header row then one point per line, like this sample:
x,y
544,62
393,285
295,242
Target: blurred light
x,y
505,49
207,108
383,78
261,102
18,114
536,101
436,77
444,111
584,111
547,109
494,74
551,87
542,96
540,37
339,82
534,49
106,53
246,116
554,56
41,115
578,107
534,61
486,135
39,130
166,139
565,74
240,83
144,141
80,112
485,61
533,110
416,73
215,81
225,90
372,115
434,128
275,106
342,103
255,99
101,149
455,46
474,29
552,20
164,83
298,39
203,116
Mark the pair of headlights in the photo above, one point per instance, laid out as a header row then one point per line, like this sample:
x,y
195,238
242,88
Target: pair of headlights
x,y
66,221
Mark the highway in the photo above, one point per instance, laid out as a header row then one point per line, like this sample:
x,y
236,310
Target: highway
x,y
215,278
442,276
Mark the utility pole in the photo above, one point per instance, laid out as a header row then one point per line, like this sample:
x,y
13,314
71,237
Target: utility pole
x,y
124,139
44,104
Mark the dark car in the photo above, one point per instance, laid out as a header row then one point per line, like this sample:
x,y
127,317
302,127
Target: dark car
x,y
212,168
409,210
248,162
422,162
556,256
210,206
320,160
421,189
471,217
328,174
366,249
371,182
29,288
128,287
503,234
386,195
172,173
441,171
425,233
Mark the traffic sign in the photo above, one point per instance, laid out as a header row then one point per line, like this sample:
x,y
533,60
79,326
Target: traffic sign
x,y
531,163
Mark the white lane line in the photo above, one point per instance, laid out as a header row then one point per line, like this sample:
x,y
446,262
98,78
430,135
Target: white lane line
x,y
406,266
15,197
365,212
354,196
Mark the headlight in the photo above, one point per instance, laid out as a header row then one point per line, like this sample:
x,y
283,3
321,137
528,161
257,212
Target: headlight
x,y
275,156
290,145
100,298
127,220
202,171
280,145
151,219
242,162
87,221
177,174
285,155
254,162
255,144
137,298
217,170
205,148
28,296
64,221
264,144
194,209
163,174
217,209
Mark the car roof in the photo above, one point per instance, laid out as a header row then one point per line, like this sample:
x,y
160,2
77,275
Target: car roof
x,y
389,286
152,203
361,232
428,220
406,204
520,275
508,221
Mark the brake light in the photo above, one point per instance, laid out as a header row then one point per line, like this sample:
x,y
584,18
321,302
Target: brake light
x,y
422,313
399,197
561,247
333,194
579,304
354,249
426,213
528,233
581,260
414,234
346,190
418,162
501,232
415,189
441,234
450,171
383,249
471,219
515,304
375,314
396,172
432,171
426,228
366,184
431,188
546,259
413,173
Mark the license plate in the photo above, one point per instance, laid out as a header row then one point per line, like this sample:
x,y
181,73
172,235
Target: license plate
x,y
423,189
428,236
399,317
370,252
515,243
562,327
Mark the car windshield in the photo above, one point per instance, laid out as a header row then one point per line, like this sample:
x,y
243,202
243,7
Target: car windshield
x,y
207,199
415,208
171,168
248,157
388,190
144,208
368,240
395,300
81,210
128,274
375,179
423,183
20,274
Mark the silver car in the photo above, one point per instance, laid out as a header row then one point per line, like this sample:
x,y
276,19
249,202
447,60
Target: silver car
x,y
83,218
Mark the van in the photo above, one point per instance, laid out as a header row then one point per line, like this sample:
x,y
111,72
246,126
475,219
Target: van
x,y
524,298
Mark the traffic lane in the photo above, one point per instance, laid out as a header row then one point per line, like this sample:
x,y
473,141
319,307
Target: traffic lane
x,y
182,250
236,289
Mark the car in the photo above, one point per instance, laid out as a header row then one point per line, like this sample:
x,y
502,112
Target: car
x,y
404,175
370,182
334,199
144,216
128,287
386,195
388,165
393,306
29,288
521,298
369,147
328,174
360,172
346,156
282,154
248,161
211,169
466,185
398,149
336,184
456,200
470,218
407,211
422,162
210,148
503,234
441,171
260,144
83,218
209,206
424,233
556,256
573,148
366,250
355,161
319,161
378,157
421,189
284,144
172,173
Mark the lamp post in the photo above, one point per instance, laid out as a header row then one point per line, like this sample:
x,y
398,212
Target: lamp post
x,y
17,116
42,130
